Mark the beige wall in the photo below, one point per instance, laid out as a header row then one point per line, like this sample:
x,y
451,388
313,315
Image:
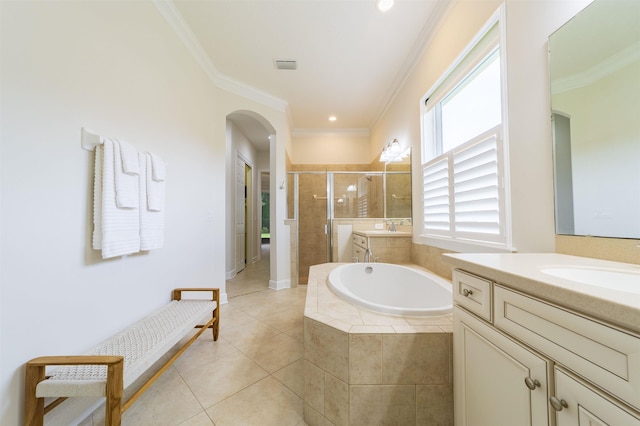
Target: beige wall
x,y
312,147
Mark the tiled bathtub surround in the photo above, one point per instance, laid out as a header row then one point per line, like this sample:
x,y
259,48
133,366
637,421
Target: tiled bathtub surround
x,y
364,368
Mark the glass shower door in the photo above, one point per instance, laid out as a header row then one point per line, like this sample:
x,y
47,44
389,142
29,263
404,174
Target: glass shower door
x,y
312,223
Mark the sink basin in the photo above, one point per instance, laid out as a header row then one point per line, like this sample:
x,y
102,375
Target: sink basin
x,y
614,279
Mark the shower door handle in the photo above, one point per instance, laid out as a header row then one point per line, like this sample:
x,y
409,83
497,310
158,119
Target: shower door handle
x,y
326,230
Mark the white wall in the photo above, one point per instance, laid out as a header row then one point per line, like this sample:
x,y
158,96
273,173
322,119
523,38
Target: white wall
x,y
528,25
118,69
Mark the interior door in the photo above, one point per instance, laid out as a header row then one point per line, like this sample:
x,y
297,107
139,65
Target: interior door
x,y
240,216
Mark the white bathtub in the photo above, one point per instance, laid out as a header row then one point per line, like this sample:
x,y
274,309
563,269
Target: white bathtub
x,y
392,289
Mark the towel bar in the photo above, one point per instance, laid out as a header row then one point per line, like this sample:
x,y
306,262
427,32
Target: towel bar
x,y
89,140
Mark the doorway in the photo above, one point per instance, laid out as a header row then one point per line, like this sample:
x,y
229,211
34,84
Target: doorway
x,y
265,198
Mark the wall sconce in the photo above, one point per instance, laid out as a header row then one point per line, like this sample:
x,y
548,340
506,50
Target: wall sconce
x,y
391,152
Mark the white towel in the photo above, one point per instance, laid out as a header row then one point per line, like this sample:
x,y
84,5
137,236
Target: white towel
x,y
97,200
126,184
159,169
120,227
151,222
129,153
155,188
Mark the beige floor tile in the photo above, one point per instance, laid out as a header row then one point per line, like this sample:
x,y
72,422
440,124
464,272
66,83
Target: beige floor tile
x,y
297,332
203,351
267,402
167,402
247,334
276,352
284,320
220,379
292,376
201,419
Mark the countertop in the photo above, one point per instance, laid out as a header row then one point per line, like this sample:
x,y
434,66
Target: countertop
x,y
383,233
522,271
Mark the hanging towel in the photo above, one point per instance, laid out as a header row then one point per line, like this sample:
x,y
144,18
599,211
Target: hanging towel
x,y
159,169
151,222
96,240
120,226
126,184
155,188
129,153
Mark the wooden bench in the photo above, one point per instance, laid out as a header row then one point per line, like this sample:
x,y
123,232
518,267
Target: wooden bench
x,y
107,369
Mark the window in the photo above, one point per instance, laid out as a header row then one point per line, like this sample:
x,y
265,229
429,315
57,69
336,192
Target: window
x,y
463,150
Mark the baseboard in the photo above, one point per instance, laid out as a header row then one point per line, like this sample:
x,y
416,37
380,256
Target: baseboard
x,y
230,274
223,298
279,285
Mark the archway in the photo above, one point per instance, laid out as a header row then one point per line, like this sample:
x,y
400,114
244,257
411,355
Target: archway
x,y
249,144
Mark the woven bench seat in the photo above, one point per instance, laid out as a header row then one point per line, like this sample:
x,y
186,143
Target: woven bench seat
x,y
141,345
134,350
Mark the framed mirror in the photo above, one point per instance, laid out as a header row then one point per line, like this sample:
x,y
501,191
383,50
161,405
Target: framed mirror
x,y
594,63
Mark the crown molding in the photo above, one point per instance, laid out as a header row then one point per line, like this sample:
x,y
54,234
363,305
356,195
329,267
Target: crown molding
x,y
610,65
320,132
175,20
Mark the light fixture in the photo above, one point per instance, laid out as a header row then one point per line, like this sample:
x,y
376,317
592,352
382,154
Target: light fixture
x,y
352,188
332,118
384,5
392,152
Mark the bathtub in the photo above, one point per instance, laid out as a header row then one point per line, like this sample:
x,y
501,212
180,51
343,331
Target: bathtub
x,y
392,289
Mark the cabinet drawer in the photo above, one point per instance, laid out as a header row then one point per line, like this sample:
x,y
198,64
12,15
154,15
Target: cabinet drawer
x,y
604,355
359,240
474,293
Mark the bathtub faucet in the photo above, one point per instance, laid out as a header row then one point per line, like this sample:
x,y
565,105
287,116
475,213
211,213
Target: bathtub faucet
x,y
368,254
392,226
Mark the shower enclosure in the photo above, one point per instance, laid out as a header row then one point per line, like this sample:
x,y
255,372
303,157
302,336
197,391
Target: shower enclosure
x,y
316,198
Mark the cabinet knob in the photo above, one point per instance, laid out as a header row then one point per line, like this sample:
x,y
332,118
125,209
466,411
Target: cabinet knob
x,y
531,383
558,404
467,292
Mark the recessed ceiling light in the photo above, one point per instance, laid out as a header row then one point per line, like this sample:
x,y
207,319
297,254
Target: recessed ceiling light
x,y
384,5
332,118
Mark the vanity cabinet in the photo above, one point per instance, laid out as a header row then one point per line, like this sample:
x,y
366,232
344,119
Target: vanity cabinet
x,y
490,370
360,245
519,360
385,246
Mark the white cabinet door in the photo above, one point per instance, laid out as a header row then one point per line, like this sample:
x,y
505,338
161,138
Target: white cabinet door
x,y
492,375
580,405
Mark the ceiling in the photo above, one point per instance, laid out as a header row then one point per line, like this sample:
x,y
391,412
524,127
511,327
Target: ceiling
x,y
351,58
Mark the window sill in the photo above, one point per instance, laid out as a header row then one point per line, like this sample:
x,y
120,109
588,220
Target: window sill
x,y
463,246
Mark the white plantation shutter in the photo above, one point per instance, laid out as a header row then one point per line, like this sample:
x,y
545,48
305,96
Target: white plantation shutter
x,y
477,189
463,192
437,208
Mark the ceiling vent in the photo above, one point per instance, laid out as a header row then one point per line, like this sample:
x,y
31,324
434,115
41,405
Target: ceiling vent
x,y
282,64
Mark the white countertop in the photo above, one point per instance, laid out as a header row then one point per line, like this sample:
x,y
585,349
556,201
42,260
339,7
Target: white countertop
x,y
522,271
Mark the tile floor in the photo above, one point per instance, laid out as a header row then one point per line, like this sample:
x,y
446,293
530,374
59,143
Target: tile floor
x,y
253,374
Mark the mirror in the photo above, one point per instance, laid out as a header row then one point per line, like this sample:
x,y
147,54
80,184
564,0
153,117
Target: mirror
x,y
398,188
594,63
